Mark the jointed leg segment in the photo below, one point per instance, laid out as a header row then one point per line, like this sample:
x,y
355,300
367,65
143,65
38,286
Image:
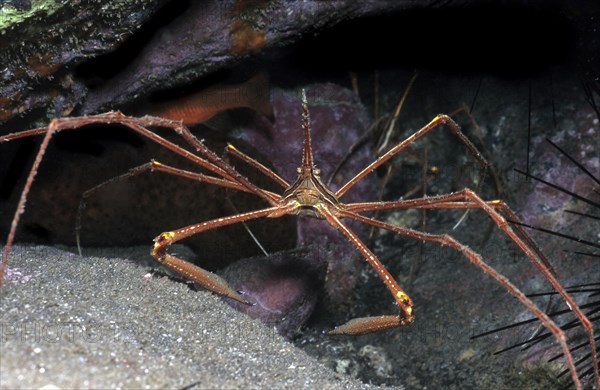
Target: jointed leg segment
x,y
194,273
373,324
441,119
476,259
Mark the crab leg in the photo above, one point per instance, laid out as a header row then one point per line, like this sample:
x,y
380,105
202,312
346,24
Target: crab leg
x,y
476,259
206,279
364,325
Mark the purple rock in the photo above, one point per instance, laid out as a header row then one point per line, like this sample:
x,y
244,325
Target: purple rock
x,y
283,288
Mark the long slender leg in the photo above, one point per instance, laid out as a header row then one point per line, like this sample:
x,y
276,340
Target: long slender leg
x,y
211,156
364,325
151,167
435,122
476,260
23,199
61,124
230,149
537,258
199,275
215,165
525,243
447,201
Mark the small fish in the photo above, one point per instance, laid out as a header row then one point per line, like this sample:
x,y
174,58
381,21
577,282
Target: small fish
x,y
201,106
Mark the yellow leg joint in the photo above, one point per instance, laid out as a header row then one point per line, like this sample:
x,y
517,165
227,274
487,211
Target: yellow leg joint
x,y
159,241
403,297
167,236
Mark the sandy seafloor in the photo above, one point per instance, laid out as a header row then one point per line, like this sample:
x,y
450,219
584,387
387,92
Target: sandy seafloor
x,y
111,321
101,322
